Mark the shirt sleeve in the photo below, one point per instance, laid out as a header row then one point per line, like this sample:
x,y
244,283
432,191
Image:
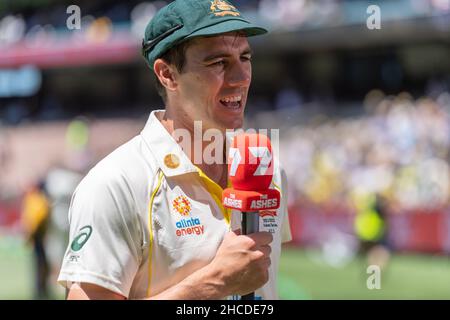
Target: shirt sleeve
x,y
105,235
285,226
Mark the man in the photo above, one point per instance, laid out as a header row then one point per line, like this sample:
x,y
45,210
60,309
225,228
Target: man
x,y
148,223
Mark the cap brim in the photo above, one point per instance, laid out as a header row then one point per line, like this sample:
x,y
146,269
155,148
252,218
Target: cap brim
x,y
229,26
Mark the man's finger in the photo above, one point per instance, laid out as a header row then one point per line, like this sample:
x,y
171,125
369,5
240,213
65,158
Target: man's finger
x,y
237,232
261,238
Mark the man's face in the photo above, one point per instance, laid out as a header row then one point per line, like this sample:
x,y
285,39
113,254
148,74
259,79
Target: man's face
x,y
214,84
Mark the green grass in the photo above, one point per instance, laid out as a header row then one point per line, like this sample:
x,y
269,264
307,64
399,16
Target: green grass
x,y
303,275
16,272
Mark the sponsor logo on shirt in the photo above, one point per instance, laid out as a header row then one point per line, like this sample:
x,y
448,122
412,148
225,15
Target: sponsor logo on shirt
x,y
77,244
187,226
74,258
82,237
191,226
182,205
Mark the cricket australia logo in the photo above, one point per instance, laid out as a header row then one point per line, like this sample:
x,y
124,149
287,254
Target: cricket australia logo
x,y
182,205
222,8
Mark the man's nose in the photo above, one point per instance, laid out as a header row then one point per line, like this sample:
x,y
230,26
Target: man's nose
x,y
240,74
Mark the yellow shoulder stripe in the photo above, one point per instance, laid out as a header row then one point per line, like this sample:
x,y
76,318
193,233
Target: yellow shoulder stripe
x,y
150,228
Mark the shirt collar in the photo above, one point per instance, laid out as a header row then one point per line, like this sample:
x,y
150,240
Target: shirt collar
x,y
168,153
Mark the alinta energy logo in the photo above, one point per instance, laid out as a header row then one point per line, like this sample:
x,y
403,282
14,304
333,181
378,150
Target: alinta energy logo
x,y
182,205
187,225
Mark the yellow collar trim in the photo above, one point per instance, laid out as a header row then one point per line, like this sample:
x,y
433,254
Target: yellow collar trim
x,y
216,192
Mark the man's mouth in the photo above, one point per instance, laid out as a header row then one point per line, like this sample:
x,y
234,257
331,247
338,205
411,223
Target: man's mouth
x,y
232,102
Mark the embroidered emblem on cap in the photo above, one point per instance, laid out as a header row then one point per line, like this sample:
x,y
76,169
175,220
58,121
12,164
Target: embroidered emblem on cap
x,y
172,161
222,8
182,205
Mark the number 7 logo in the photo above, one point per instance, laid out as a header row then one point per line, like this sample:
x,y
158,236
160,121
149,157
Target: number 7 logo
x,y
236,157
266,158
257,152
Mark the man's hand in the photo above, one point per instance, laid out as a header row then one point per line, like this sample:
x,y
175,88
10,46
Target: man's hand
x,y
242,262
239,267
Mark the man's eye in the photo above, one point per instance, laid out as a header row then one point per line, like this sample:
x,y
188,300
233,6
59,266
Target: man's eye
x,y
246,58
218,63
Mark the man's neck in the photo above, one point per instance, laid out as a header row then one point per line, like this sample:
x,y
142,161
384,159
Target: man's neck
x,y
217,172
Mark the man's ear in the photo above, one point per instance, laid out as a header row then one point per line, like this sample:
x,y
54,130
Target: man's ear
x,y
166,74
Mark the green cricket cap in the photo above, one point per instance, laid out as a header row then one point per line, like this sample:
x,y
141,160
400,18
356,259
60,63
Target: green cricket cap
x,y
184,19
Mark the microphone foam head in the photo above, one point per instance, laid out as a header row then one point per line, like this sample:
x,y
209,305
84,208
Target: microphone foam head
x,y
250,162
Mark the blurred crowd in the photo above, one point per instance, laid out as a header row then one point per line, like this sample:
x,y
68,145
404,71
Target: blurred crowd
x,y
18,23
398,149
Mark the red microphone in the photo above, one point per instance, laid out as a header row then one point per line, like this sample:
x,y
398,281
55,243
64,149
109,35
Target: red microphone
x,y
250,169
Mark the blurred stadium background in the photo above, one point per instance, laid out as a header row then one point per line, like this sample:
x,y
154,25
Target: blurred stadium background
x,y
363,117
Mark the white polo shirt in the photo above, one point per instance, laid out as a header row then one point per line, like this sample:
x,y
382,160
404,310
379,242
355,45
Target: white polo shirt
x,y
144,218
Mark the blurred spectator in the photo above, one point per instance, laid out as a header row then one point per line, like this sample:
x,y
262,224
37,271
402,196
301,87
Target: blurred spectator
x,y
35,218
371,228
